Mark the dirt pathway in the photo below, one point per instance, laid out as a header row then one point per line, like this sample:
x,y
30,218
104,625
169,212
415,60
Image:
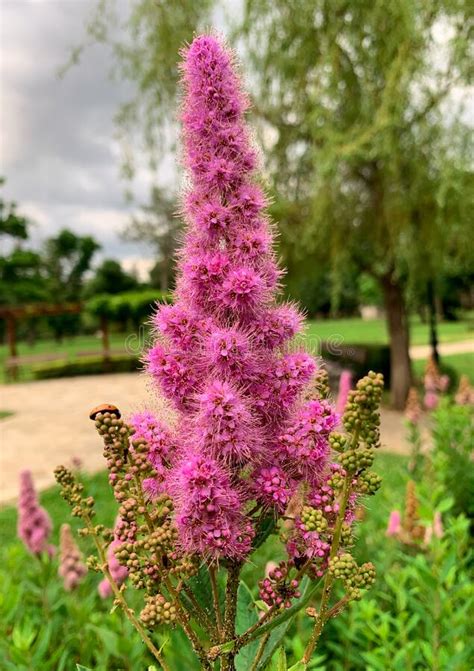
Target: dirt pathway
x,y
445,348
50,424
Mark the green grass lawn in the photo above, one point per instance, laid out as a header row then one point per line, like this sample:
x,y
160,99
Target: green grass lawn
x,y
352,331
463,364
357,331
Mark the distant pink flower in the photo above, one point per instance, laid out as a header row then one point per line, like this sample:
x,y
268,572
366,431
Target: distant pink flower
x,y
345,382
431,400
34,523
394,524
118,572
71,566
438,525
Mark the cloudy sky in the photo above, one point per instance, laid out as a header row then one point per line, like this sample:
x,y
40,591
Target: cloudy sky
x,y
57,146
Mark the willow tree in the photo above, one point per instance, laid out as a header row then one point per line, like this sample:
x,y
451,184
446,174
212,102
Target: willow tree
x,y
353,101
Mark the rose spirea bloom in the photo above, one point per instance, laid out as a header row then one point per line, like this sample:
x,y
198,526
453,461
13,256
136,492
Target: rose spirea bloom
x,y
345,383
245,434
209,509
118,572
71,566
34,523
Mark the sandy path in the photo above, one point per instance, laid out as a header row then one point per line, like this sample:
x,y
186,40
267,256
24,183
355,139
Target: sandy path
x,y
51,426
446,348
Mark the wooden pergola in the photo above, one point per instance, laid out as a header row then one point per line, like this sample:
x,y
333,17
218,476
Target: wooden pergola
x,y
13,314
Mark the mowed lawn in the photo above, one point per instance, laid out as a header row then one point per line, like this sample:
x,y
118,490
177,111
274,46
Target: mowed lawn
x,y
357,331
349,331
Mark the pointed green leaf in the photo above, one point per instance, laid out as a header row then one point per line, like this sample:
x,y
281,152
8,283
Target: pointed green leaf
x,y
246,617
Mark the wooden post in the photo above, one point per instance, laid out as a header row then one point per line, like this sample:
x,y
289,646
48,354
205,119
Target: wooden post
x,y
104,327
12,369
11,335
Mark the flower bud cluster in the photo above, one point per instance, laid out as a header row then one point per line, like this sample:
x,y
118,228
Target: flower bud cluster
x,y
355,578
361,415
413,408
465,392
158,610
318,520
278,589
434,383
72,492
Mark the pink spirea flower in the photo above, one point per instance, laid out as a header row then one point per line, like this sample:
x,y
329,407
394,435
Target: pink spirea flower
x,y
118,572
394,525
431,400
273,487
224,424
221,355
304,443
345,382
71,566
34,523
158,438
208,510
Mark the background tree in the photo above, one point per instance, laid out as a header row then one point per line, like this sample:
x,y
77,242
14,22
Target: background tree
x,y
355,117
158,228
21,277
351,101
145,37
110,278
67,258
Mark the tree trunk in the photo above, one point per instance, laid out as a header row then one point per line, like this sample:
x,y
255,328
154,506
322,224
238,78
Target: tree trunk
x,y
431,300
398,329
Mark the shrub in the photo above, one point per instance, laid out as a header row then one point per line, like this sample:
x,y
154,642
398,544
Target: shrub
x,y
89,366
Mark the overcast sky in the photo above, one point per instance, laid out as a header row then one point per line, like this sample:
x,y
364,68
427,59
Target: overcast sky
x,y
58,151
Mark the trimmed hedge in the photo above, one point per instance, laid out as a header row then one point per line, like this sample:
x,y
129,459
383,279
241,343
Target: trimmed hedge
x,y
93,366
135,305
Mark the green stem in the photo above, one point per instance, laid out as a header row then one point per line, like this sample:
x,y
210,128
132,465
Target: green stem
x,y
260,650
201,615
183,619
121,599
230,613
215,599
323,614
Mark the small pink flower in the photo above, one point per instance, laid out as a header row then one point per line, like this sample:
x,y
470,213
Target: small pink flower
x,y
438,525
34,523
394,524
345,383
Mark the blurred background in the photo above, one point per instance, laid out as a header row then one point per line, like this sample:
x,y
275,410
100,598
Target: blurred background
x,y
364,113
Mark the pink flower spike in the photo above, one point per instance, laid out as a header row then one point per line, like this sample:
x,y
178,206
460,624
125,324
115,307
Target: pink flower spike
x,y
394,524
345,383
34,523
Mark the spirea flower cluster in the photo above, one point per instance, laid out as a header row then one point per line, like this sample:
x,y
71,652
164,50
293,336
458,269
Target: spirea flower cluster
x,y
249,447
243,432
34,523
71,566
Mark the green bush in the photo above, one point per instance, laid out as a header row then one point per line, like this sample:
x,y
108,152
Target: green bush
x,y
359,358
92,366
130,305
453,433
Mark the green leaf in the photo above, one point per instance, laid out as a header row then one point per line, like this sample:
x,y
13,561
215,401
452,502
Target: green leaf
x,y
200,584
246,617
282,663
265,528
278,634
79,667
